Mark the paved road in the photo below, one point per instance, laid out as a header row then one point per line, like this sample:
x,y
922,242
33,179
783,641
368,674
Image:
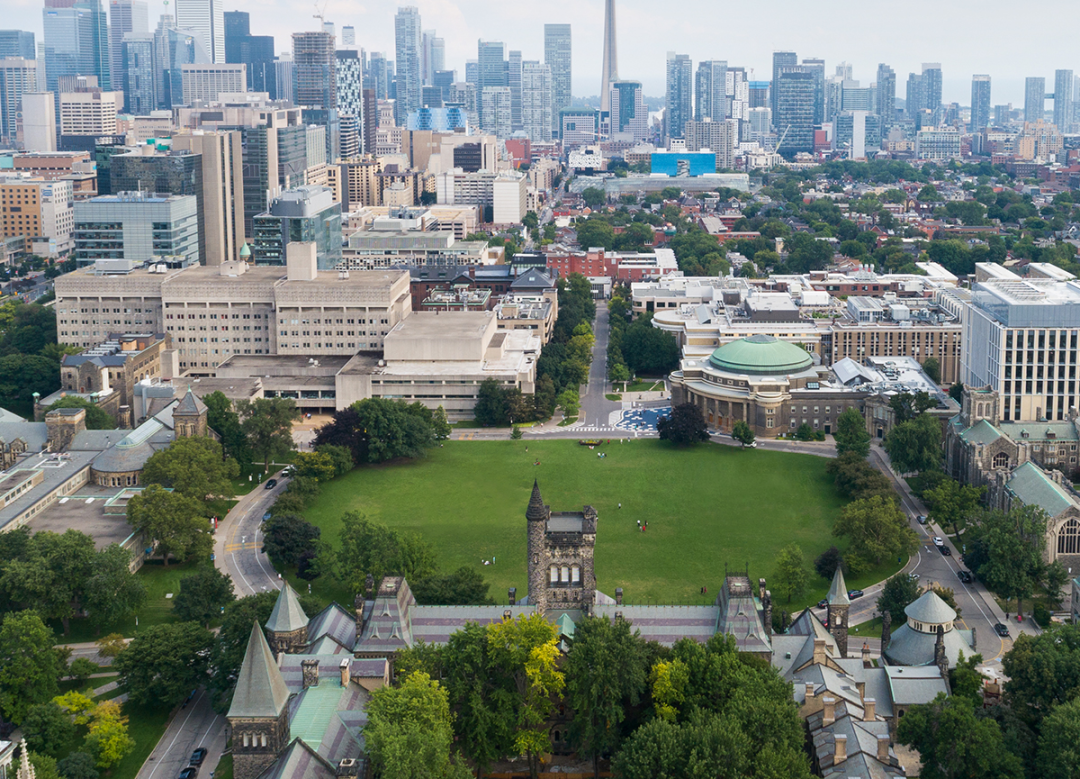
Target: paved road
x,y
596,410
238,542
195,725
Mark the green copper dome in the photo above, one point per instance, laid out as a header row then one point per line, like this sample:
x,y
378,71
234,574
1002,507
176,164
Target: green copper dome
x,y
762,355
245,250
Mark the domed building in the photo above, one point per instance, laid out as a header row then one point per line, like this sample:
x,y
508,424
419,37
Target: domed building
x,y
930,635
771,384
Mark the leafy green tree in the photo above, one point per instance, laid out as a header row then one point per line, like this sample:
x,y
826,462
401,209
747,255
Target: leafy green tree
x,y
605,678
193,466
409,730
44,766
907,406
286,537
491,407
790,577
684,426
855,478
463,587
648,349
851,435
743,433
51,576
877,529
1059,743
111,645
224,421
827,562
30,667
176,522
267,426
928,194
340,456
372,548
1005,550
569,401
915,445
951,501
595,232
96,417
1042,672
896,594
203,595
440,425
953,743
81,669
525,649
390,429
48,729
77,765
113,591
21,375
805,432
164,663
314,465
932,367
594,197
108,740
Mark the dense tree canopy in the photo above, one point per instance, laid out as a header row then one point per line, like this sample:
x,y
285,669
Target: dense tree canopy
x,y
193,466
684,426
177,523
164,663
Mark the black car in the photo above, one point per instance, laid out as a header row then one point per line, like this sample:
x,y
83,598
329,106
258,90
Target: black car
x,y
965,576
945,551
823,603
853,594
197,756
271,484
189,773
1001,630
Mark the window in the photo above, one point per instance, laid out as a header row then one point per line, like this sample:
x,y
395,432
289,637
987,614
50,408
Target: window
x,y
565,575
575,574
1001,460
554,574
1069,538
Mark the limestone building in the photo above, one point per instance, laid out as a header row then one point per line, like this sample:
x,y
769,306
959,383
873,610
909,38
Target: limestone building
x,y
560,556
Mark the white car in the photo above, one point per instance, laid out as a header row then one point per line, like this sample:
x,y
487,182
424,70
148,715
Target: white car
x,y
938,541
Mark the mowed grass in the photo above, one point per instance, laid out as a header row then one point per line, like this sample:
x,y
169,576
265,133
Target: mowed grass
x,y
707,507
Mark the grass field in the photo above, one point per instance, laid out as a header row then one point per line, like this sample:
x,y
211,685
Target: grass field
x,y
707,507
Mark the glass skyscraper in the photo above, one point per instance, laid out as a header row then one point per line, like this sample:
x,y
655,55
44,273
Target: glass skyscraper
x,y
795,111
557,56
680,88
980,102
407,43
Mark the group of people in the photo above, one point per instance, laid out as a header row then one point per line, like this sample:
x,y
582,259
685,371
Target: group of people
x,y
640,526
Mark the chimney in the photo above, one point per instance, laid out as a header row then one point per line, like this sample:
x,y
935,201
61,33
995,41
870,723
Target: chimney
x,y
829,717
870,707
347,767
809,691
761,588
513,596
345,675
883,749
618,596
819,651
861,687
310,670
840,742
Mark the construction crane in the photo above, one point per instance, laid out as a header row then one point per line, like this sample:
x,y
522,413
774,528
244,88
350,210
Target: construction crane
x,y
321,13
776,149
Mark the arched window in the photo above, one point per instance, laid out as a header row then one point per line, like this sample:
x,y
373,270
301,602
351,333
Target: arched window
x,y
1001,460
979,409
264,739
575,574
565,575
1069,538
247,740
554,574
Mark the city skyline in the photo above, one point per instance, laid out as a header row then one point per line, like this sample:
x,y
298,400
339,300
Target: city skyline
x,y
645,37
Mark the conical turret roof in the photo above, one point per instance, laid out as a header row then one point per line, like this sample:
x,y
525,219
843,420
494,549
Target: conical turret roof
x,y
536,504
189,405
260,689
287,615
838,592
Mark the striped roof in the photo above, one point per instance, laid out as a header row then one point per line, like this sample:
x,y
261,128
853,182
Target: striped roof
x,y
1033,487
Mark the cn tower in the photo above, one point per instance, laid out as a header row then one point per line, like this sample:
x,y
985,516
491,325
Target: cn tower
x,y
611,56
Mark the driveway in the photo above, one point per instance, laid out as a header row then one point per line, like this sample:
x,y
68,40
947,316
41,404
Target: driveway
x,y
238,542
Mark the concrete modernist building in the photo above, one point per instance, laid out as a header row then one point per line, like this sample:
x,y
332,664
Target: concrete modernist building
x,y
509,194
940,143
206,83
39,122
221,228
35,208
91,113
137,226
205,19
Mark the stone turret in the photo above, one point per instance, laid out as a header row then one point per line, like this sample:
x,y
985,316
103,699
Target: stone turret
x,y
839,604
536,516
886,630
288,624
62,425
259,714
941,659
560,556
190,416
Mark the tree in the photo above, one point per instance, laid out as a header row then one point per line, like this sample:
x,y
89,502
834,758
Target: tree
x,y
954,743
1005,550
203,595
491,408
372,548
827,562
569,401
525,648
594,197
111,645
390,429
950,501
647,349
1059,743
684,426
907,406
928,194
224,421
81,669
855,478
463,587
440,425
108,741
790,577
743,433
48,729
1042,672
267,426
176,522
96,417
164,663
113,591
77,705
30,667
44,766
286,537
409,732
932,367
896,594
77,765
21,375
851,435
52,573
340,456
877,529
915,445
595,232
194,467
314,465
956,392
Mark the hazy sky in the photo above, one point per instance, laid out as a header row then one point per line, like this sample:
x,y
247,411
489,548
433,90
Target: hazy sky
x,y
965,36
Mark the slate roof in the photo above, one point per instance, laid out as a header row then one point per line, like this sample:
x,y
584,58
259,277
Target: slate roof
x,y
287,615
260,688
908,646
909,686
667,624
300,761
838,591
189,405
982,432
34,433
1033,487
930,609
533,278
336,622
134,449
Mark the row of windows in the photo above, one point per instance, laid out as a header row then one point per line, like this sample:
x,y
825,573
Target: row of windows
x,y
216,316
567,574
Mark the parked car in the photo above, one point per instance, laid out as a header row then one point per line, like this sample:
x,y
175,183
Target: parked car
x,y
938,541
198,756
965,576
921,519
266,516
913,576
1001,630
823,603
945,551
189,773
271,484
853,594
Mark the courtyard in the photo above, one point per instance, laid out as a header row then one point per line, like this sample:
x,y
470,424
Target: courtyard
x,y
707,507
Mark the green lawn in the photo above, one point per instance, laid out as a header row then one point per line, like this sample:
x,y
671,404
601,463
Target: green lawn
x,y
146,724
707,507
642,385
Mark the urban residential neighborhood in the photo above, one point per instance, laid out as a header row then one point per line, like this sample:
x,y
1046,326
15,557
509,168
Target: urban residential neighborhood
x,y
374,405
